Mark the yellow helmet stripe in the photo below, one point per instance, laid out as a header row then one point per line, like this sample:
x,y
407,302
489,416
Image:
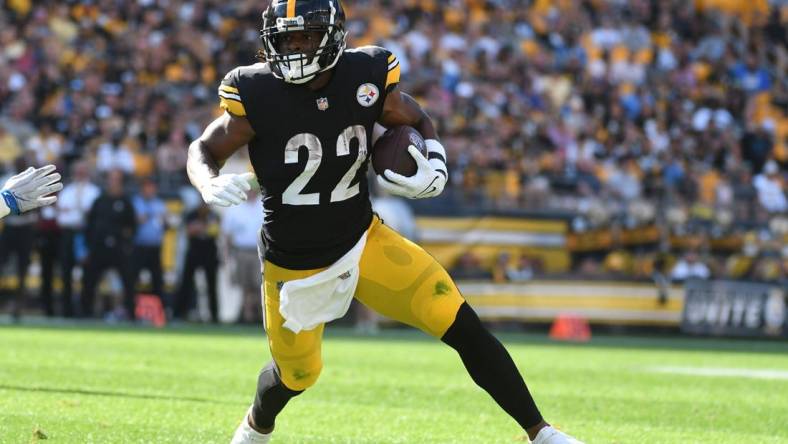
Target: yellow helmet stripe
x,y
291,8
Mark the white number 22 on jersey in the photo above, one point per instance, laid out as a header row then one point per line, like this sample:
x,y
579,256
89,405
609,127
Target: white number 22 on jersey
x,y
343,190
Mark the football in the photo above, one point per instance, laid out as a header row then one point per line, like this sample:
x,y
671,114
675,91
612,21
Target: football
x,y
390,152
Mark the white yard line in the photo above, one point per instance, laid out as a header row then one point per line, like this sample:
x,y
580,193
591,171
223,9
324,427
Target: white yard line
x,y
721,371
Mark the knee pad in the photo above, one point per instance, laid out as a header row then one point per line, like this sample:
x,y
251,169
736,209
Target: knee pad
x,y
300,377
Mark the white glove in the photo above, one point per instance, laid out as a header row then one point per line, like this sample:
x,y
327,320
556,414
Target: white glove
x,y
430,177
226,190
28,190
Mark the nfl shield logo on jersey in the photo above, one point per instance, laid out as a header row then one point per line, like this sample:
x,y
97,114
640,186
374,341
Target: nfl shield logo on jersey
x,y
367,94
322,104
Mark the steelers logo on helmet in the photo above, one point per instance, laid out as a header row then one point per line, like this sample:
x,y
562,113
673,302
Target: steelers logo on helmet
x,y
367,94
321,21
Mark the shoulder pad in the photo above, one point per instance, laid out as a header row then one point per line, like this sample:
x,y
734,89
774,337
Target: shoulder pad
x,y
231,90
387,59
230,93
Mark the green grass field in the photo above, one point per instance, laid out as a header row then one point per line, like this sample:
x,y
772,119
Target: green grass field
x,y
95,384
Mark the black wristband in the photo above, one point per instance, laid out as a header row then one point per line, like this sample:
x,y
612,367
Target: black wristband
x,y
433,155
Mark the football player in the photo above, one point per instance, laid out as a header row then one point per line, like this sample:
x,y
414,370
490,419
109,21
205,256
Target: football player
x,y
307,114
29,190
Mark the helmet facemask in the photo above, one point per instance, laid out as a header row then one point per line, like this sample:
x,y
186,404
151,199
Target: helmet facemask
x,y
299,68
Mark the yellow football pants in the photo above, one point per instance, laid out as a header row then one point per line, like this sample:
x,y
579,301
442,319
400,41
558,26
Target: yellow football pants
x,y
398,280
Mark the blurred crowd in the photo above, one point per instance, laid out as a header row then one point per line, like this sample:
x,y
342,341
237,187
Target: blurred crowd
x,y
110,241
621,114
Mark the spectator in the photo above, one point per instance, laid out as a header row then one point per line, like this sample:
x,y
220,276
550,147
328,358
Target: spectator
x,y
661,281
171,161
469,267
522,272
502,265
111,225
751,76
757,145
202,230
10,149
151,215
113,155
48,246
47,146
709,115
770,191
623,181
73,205
241,230
618,262
689,267
589,268
16,241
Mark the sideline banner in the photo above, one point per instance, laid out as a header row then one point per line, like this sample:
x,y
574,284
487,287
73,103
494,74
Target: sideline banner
x,y
449,238
731,308
598,302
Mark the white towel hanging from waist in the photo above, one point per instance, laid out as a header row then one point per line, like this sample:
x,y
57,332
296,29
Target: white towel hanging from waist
x,y
323,297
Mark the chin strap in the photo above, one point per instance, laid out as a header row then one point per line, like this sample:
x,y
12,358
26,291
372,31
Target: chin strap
x,y
298,81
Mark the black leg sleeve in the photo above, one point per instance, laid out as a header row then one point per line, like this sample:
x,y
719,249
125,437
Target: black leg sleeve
x,y
491,367
271,397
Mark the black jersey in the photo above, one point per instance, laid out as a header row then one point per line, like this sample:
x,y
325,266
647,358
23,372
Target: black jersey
x,y
311,151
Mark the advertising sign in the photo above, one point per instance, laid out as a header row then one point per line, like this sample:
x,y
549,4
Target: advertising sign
x,y
733,308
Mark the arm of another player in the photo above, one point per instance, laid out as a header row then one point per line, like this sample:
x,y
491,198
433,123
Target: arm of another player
x,y
430,178
29,190
221,138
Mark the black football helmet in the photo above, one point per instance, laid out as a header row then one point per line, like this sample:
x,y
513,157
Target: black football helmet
x,y
282,16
